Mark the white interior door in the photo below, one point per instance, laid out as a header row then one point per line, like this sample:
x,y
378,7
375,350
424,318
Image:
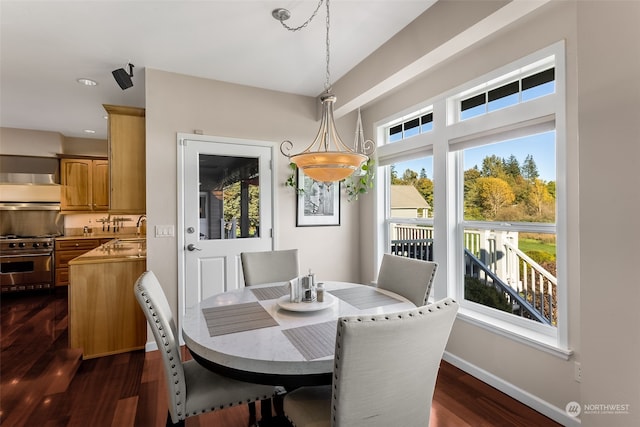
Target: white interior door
x,y
226,207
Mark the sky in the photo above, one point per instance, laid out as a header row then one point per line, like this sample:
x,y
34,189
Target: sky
x,y
541,147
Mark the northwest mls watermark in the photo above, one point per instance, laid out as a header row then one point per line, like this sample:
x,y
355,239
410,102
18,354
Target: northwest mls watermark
x,y
574,409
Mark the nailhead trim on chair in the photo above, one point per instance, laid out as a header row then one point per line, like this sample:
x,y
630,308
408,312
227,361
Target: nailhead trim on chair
x,y
174,372
343,321
169,351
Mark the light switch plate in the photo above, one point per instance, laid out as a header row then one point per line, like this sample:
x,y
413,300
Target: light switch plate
x,y
164,231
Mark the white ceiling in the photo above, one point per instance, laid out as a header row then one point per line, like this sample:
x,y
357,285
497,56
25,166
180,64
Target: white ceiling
x,y
46,45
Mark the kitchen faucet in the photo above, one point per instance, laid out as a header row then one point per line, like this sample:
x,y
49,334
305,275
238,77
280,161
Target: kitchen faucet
x,y
141,219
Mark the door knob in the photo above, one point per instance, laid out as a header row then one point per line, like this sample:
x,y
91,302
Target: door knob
x,y
192,247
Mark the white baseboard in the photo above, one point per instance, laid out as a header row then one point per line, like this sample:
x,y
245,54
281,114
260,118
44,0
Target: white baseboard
x,y
557,414
150,346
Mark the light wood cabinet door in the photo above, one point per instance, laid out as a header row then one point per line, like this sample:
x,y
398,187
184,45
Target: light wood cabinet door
x,y
100,185
85,185
127,160
77,184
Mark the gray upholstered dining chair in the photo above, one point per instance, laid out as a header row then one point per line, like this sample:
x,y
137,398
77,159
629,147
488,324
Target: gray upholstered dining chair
x,y
411,278
269,266
384,372
192,388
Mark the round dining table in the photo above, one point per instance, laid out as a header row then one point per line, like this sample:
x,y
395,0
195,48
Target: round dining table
x,y
257,334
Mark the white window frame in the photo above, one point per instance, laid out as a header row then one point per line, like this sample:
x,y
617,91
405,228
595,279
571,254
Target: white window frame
x,y
448,136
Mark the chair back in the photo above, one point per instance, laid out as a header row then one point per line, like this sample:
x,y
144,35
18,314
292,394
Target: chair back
x,y
395,358
156,309
411,278
269,266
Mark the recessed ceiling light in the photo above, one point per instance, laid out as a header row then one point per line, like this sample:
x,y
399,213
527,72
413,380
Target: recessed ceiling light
x,y
87,82
89,131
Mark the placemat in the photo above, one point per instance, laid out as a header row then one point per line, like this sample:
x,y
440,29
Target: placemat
x,y
364,297
237,318
314,341
271,292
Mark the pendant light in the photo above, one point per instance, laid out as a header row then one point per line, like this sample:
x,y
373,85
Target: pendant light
x,y
327,158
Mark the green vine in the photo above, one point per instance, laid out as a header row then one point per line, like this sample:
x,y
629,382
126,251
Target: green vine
x,y
292,179
355,185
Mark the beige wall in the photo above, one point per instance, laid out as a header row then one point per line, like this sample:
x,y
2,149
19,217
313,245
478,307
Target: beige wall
x,y
85,147
27,142
182,104
30,142
609,128
602,143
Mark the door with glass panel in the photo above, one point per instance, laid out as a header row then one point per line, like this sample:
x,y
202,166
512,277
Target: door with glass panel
x,y
227,209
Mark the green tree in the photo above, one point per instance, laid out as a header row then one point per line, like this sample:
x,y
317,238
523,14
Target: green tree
x,y
394,175
512,166
423,173
425,188
529,169
539,197
493,194
409,177
493,166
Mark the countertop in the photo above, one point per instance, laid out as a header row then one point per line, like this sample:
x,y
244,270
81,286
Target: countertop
x,y
101,236
119,249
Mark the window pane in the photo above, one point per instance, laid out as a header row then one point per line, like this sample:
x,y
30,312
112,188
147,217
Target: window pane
x,y
504,96
426,123
229,197
473,112
469,103
411,189
511,181
411,240
512,271
412,127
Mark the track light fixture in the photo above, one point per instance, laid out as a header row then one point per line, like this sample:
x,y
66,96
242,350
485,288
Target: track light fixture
x,y
123,78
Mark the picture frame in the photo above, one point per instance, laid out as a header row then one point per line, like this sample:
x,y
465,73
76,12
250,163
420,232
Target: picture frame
x,y
318,203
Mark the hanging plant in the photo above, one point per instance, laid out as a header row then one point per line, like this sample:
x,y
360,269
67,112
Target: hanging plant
x,y
292,180
358,184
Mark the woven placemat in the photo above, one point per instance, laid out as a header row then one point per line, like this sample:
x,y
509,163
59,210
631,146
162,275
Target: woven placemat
x,y
364,297
314,341
271,292
237,318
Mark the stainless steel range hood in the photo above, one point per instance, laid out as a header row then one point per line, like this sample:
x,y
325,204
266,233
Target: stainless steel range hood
x,y
29,191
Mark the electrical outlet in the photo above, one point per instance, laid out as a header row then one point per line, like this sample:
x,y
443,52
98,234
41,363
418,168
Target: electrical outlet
x,y
577,371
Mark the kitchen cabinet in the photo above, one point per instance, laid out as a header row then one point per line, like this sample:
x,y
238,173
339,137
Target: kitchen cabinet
x,y
127,171
104,316
85,184
66,250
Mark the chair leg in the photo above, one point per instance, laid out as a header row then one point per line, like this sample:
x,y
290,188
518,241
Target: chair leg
x,y
170,422
252,414
265,409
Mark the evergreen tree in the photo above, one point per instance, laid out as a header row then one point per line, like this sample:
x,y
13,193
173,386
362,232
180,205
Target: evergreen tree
x,y
512,167
493,166
529,169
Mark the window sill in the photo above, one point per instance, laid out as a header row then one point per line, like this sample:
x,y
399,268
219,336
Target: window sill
x,y
522,335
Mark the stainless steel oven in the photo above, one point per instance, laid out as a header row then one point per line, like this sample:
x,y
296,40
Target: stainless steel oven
x,y
26,263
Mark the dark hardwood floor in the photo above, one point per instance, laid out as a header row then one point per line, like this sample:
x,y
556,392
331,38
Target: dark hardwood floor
x,y
44,383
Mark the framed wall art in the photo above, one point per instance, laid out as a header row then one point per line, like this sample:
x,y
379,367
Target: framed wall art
x,y
318,202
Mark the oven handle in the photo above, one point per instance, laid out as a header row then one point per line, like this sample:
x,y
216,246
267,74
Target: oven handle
x,y
3,256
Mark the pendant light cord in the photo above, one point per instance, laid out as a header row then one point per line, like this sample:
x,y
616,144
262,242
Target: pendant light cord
x,y
327,83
